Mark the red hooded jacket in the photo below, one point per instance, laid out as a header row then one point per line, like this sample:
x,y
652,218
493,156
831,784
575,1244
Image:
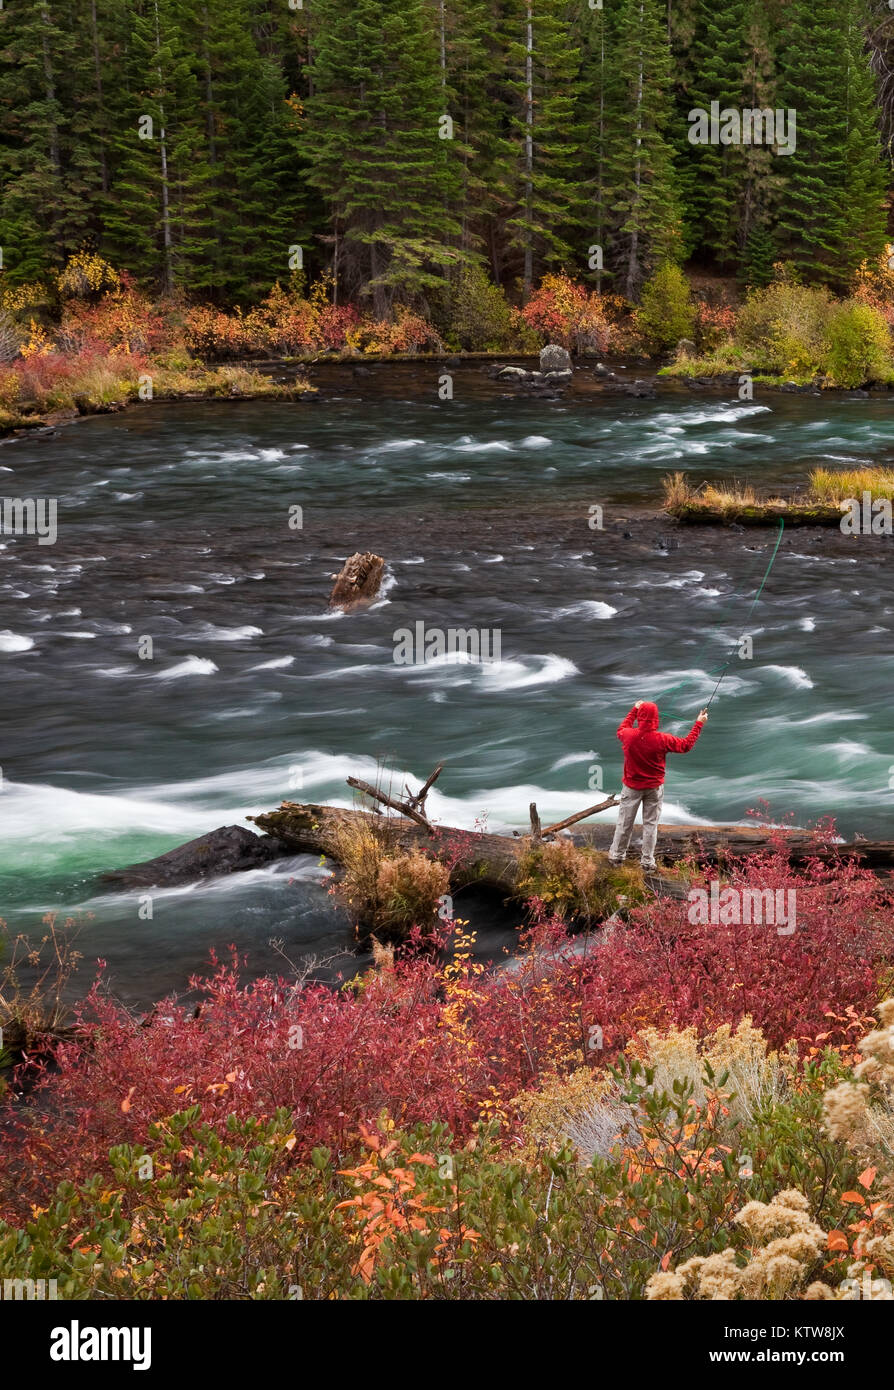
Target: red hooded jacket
x,y
646,748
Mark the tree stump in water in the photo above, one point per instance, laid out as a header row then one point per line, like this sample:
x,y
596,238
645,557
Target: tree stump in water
x,y
359,581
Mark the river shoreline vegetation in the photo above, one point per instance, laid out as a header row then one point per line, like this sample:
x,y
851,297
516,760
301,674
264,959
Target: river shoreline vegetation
x,y
671,1086
711,1107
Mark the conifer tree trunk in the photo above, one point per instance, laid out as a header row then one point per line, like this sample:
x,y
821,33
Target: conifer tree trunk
x,y
633,256
529,154
50,87
103,162
165,190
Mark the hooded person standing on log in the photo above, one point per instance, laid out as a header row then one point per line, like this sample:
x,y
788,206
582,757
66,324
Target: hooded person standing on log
x,y
645,749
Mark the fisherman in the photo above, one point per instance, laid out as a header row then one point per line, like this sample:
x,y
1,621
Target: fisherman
x,y
645,750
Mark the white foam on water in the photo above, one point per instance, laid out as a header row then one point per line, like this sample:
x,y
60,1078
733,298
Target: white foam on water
x,y
535,441
394,445
451,477
15,642
278,663
847,748
807,624
492,446
586,608
571,758
796,677
210,633
722,415
48,814
519,675
192,666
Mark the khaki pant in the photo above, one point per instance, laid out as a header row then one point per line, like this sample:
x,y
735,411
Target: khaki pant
x,y
651,799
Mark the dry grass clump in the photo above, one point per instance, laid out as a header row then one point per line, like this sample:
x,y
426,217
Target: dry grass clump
x,y
727,499
834,488
576,883
389,891
31,1012
785,1246
408,889
861,1112
755,1078
584,1108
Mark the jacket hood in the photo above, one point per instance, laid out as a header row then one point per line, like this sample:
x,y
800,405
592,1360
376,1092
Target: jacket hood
x,y
647,717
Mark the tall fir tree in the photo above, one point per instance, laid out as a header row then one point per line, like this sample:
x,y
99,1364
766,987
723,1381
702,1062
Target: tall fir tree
x,y
644,219
380,153
543,66
820,81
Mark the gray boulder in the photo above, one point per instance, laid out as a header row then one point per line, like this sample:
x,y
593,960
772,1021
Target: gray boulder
x,y
555,359
231,849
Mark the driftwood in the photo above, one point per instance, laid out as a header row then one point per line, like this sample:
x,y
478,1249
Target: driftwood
x,y
413,806
358,582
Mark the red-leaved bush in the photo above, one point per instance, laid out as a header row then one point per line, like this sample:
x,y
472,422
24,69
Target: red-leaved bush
x,y
433,1041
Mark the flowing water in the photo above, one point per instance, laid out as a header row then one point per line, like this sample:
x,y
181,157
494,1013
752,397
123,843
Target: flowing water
x,y
174,525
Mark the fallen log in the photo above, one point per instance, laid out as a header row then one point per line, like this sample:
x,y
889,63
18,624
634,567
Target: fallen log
x,y
493,860
759,514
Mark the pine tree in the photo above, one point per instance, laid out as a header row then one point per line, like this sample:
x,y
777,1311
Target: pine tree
x,y
813,219
644,210
157,223
375,148
48,180
544,67
714,174
865,222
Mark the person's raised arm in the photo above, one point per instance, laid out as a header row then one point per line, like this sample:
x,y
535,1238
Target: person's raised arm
x,y
683,745
629,718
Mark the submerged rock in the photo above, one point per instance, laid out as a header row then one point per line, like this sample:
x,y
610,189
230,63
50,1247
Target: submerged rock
x,y
230,849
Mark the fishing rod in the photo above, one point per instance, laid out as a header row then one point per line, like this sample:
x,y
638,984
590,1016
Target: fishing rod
x,y
728,662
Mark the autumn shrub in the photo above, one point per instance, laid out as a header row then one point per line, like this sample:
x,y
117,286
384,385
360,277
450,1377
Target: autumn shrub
x,y
858,345
406,332
666,312
124,321
785,327
237,1205
860,1111
212,332
86,274
714,324
565,312
480,318
447,1040
576,883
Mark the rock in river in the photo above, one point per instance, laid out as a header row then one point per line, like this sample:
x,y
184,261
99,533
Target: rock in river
x,y
224,851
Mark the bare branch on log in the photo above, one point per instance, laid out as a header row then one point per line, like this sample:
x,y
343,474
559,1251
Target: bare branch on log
x,y
418,801
404,807
581,815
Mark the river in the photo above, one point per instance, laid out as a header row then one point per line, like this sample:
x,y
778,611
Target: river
x,y
174,525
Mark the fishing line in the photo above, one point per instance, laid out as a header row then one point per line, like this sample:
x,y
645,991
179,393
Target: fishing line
x,y
727,663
